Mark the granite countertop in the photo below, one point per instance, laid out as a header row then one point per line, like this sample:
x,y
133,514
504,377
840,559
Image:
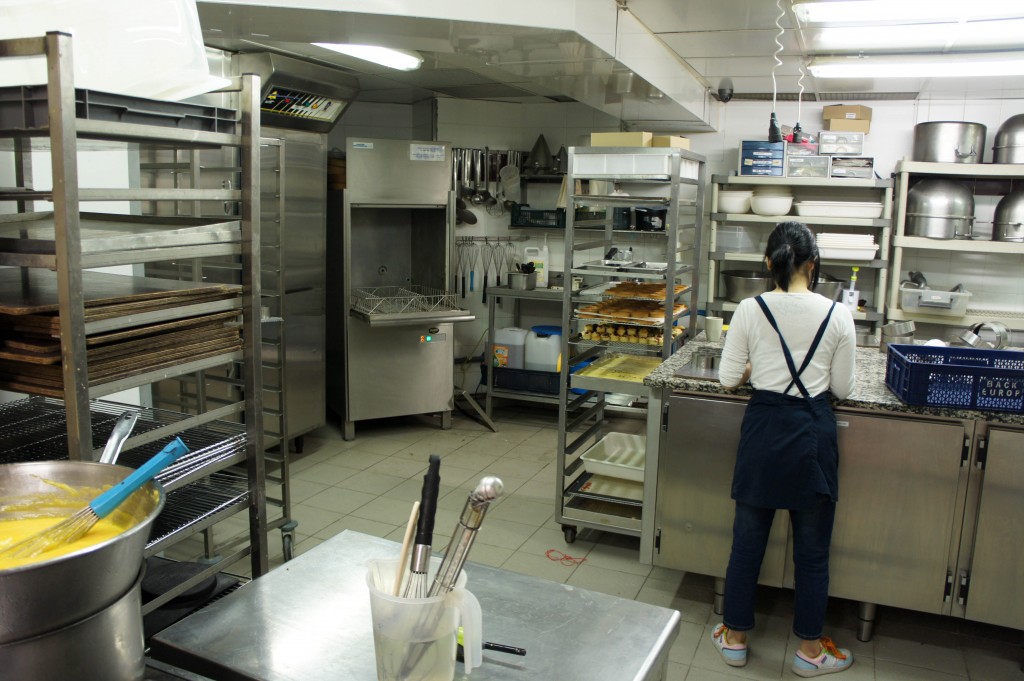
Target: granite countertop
x,y
870,393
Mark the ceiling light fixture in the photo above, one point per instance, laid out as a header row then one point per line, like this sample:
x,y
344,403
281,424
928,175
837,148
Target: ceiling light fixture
x,y
973,65
939,36
895,11
401,60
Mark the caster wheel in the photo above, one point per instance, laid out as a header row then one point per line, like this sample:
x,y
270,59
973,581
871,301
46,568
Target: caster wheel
x,y
570,533
287,546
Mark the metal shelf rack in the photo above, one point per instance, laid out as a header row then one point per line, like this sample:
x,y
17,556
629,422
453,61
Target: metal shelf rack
x,y
672,179
58,124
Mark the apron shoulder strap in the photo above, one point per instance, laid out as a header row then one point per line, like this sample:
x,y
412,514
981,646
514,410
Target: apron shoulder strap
x,y
814,344
785,350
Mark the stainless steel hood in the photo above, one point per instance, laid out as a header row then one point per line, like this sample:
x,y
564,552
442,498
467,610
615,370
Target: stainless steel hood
x,y
298,94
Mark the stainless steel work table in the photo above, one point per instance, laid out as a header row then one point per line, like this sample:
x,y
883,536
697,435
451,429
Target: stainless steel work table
x,y
310,619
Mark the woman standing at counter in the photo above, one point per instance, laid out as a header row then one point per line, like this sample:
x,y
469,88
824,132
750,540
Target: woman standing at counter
x,y
794,346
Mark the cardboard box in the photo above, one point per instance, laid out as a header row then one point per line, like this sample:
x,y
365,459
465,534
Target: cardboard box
x,y
850,112
621,139
842,143
847,125
673,141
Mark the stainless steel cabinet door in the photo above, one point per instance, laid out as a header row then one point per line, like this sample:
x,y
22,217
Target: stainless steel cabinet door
x,y
997,582
898,488
694,511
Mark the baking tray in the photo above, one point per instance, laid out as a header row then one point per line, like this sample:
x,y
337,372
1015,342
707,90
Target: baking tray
x,y
839,209
617,455
101,233
603,488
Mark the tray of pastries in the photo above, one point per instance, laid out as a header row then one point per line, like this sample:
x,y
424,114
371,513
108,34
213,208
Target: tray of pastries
x,y
619,333
629,311
639,291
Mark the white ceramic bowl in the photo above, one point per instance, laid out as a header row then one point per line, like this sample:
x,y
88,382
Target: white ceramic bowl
x,y
733,203
771,205
772,190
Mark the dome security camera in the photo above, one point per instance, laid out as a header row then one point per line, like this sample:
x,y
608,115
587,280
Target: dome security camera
x,y
724,94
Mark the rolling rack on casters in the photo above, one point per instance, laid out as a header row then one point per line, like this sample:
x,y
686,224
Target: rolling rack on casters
x,y
81,335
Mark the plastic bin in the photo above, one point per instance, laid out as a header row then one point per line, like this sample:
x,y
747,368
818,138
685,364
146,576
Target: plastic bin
x,y
545,382
970,378
929,301
524,216
510,347
544,349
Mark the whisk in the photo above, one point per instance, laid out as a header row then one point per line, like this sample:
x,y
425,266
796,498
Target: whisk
x,y
473,254
416,587
460,251
488,258
76,525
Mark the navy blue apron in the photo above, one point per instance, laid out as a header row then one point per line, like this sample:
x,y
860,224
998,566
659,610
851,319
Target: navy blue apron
x,y
788,454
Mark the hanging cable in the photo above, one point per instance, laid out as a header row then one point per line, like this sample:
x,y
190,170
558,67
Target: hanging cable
x,y
774,131
799,105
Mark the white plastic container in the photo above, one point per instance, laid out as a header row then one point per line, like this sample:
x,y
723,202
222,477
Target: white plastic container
x,y
541,259
544,349
510,347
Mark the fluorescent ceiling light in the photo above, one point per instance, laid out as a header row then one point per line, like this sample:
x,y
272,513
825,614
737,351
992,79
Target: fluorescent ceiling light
x,y
918,66
402,60
891,11
937,36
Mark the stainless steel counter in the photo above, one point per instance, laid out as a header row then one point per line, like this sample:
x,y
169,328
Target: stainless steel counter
x,y
310,619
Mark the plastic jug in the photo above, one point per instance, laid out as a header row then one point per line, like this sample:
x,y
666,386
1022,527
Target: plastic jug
x,y
510,347
544,349
414,638
541,258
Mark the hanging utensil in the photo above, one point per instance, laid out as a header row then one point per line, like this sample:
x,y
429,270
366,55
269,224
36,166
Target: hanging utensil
x,y
122,429
488,259
460,252
76,525
487,490
478,172
474,256
486,198
416,587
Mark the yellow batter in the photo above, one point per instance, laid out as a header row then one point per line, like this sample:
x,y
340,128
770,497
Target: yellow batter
x,y
17,529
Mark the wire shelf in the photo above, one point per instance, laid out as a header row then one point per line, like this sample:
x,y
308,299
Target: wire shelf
x,y
194,503
391,300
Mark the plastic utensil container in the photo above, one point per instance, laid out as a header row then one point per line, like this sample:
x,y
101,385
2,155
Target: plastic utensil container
x,y
544,349
617,455
929,301
510,347
970,378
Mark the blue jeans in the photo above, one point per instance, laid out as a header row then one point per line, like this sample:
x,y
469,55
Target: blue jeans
x,y
812,536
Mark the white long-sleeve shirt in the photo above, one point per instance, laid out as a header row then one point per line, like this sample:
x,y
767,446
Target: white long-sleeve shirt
x,y
751,338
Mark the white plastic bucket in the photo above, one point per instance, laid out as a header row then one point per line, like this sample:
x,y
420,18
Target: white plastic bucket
x,y
510,347
544,349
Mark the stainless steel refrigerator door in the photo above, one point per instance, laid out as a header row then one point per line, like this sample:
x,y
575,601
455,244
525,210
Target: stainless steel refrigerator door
x,y
394,371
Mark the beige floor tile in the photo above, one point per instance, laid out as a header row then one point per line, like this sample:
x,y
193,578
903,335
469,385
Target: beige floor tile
x,y
381,445
676,671
357,457
606,581
538,566
490,555
312,520
538,490
621,558
327,473
357,524
940,658
400,466
886,670
506,467
1003,664
474,461
304,489
412,490
765,658
685,646
481,445
382,509
371,483
664,594
521,510
546,539
698,674
339,500
504,533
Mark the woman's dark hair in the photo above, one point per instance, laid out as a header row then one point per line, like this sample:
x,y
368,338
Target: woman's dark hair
x,y
790,246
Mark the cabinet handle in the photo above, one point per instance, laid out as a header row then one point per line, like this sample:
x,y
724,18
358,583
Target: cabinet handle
x,y
965,586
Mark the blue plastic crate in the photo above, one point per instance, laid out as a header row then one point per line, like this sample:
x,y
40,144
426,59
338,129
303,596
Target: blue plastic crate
x,y
968,378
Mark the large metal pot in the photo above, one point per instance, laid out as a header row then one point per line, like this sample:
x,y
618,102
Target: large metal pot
x,y
949,142
107,645
940,209
829,286
1009,144
1009,218
740,284
46,596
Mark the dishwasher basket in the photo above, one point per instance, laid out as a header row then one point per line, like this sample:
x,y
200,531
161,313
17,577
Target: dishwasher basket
x,y
970,378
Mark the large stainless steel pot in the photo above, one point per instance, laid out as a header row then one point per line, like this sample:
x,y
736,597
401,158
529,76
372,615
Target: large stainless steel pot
x,y
740,284
43,597
1009,144
940,209
1009,218
107,645
949,142
829,286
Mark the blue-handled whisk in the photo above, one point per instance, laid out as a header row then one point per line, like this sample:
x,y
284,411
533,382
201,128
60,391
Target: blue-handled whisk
x,y
76,525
